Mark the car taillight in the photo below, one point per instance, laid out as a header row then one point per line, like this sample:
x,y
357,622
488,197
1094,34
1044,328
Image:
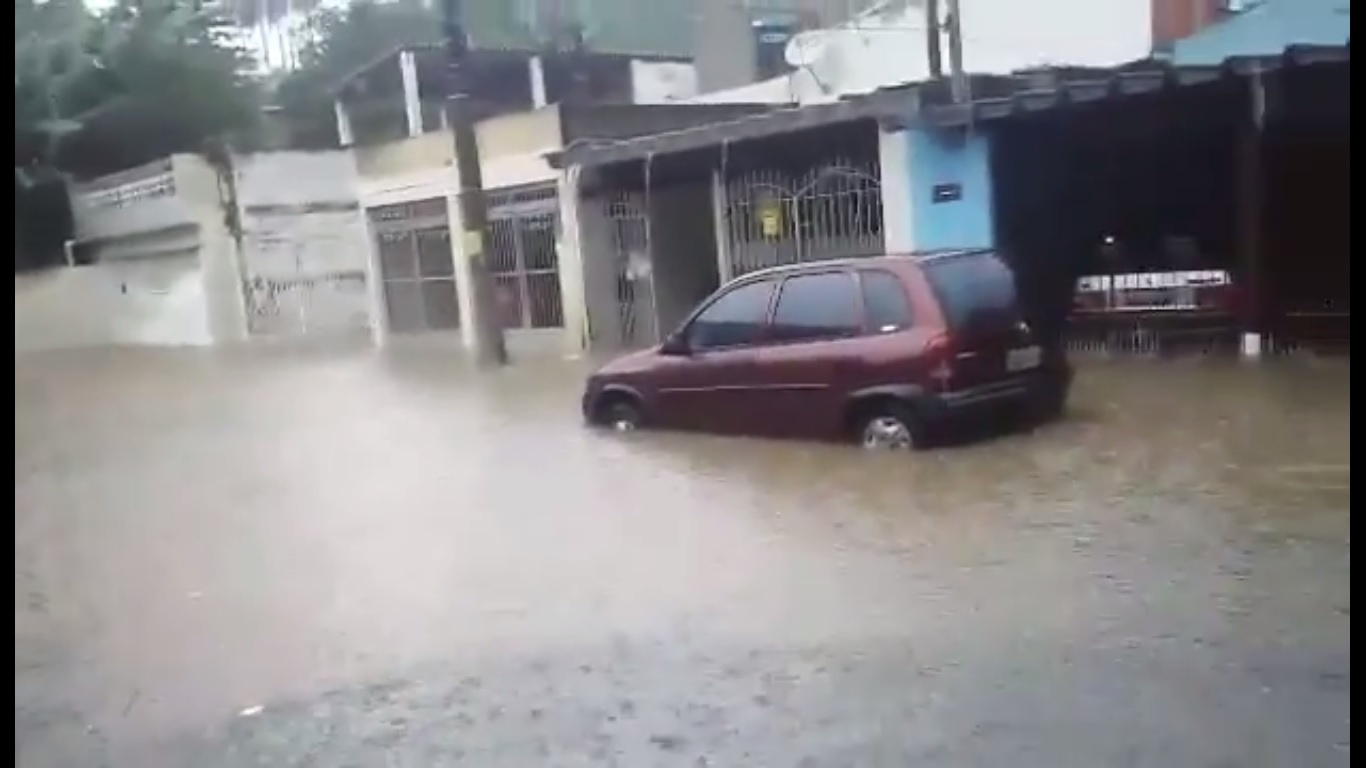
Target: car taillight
x,y
939,354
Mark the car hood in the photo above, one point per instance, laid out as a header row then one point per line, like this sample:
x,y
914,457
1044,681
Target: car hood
x,y
631,363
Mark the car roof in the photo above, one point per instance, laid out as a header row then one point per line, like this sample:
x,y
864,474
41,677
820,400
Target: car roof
x,y
918,257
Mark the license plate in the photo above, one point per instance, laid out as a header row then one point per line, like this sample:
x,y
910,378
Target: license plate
x,y
1023,359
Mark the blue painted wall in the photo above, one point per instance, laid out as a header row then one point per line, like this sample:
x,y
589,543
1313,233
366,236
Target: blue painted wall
x,y
938,157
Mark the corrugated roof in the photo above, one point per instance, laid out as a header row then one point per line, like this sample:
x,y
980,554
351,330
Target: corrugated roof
x,y
1154,77
776,121
904,105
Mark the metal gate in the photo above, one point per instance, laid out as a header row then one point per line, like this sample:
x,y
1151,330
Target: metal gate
x,y
525,260
776,217
628,228
417,270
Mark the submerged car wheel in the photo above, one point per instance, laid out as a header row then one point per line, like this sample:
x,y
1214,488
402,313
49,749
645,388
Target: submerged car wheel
x,y
891,427
1050,403
621,414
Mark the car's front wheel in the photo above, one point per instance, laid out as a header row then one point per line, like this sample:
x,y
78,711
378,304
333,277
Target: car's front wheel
x,y
620,414
889,427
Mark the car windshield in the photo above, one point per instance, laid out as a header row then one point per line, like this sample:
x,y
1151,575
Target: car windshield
x,y
975,289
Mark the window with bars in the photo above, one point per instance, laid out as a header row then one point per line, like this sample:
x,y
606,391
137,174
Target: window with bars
x,y
417,270
525,266
419,280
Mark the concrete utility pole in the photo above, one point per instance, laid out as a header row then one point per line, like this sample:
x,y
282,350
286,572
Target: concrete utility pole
x,y
934,39
958,78
490,348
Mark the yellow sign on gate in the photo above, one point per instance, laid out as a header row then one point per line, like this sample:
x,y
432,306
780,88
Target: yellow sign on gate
x,y
771,219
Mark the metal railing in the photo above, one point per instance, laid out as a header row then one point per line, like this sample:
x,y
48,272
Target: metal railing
x,y
773,217
524,258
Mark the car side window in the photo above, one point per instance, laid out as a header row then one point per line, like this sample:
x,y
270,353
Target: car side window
x,y
884,301
819,306
735,319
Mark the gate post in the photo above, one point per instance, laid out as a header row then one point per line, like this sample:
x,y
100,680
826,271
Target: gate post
x,y
720,213
1249,194
894,171
569,247
464,274
951,193
375,300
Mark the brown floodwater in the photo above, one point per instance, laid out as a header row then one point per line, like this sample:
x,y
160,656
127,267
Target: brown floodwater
x,y
345,557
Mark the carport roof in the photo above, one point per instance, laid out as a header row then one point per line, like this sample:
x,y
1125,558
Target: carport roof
x,y
925,104
779,120
1144,77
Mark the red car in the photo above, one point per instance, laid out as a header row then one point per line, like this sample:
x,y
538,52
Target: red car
x,y
880,350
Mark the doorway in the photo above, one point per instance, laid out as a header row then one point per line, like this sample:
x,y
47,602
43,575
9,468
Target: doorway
x,y
417,270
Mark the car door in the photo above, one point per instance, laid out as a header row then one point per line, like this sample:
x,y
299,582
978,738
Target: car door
x,y
710,383
812,346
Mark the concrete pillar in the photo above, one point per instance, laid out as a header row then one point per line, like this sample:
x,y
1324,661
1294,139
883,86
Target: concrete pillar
x,y
464,275
598,267
412,97
722,227
894,164
374,288
569,251
345,137
536,72
1249,209
374,280
950,189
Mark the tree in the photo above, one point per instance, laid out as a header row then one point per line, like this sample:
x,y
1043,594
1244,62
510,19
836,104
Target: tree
x,y
52,65
264,18
98,92
340,42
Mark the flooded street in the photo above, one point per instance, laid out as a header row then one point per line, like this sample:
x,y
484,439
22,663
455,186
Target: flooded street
x,y
272,557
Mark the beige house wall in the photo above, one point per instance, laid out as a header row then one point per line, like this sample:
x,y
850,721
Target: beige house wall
x,y
512,154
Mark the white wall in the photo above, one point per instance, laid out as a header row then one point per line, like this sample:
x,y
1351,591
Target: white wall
x,y
165,271
157,302
662,82
303,232
999,36
202,188
131,202
169,270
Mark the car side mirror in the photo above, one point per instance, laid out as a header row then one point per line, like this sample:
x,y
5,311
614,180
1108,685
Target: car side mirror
x,y
675,344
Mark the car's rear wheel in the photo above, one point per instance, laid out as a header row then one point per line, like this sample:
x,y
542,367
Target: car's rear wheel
x,y
1049,407
620,413
1050,402
888,426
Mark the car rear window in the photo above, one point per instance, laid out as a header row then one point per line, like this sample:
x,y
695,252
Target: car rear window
x,y
974,288
884,301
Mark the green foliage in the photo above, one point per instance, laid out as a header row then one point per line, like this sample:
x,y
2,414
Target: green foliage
x,y
95,93
341,42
